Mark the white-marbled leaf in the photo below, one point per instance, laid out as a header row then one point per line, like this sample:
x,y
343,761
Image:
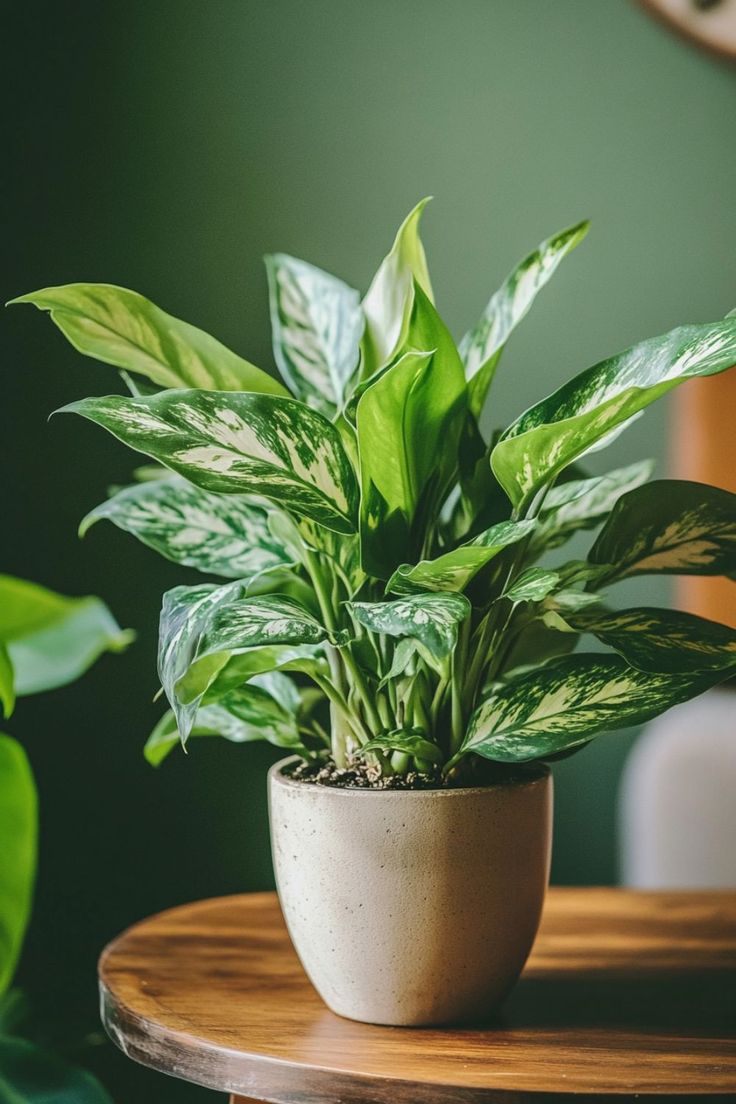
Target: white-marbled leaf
x,y
550,435
583,503
316,324
430,619
532,585
568,702
239,443
251,712
220,534
482,346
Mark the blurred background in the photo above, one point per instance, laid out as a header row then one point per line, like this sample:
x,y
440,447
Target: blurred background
x,y
166,147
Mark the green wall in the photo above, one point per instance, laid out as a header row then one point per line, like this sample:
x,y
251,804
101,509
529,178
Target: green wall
x,y
166,146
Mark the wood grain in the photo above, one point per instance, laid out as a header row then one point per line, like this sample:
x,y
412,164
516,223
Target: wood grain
x,y
625,994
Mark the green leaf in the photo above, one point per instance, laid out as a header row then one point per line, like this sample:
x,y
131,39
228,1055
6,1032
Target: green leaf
x,y
410,743
567,703
233,669
670,526
430,619
317,324
661,639
203,627
120,327
185,616
415,410
273,447
532,585
481,348
264,709
7,682
18,833
218,534
388,303
590,407
583,503
454,570
50,639
31,1075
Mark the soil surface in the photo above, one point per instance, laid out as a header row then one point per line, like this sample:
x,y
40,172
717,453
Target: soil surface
x,y
362,776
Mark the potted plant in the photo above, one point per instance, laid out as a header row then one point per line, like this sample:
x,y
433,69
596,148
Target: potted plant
x,y
383,557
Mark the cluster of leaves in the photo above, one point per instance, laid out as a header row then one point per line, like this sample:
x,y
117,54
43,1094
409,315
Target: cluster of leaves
x,y
373,541
46,641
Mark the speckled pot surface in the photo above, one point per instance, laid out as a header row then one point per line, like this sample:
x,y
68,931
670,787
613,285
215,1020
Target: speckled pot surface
x,y
412,907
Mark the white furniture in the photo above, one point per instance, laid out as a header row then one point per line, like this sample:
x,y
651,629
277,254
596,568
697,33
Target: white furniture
x,y
677,805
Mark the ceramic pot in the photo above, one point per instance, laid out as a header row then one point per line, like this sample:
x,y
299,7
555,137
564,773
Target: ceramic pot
x,y
412,907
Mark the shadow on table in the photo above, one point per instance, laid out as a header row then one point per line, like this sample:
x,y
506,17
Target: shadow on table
x,y
686,1004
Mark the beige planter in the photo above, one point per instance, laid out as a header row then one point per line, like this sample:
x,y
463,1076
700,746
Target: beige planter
x,y
412,907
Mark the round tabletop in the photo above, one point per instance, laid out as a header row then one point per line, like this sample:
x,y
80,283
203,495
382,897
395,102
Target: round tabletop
x,y
626,993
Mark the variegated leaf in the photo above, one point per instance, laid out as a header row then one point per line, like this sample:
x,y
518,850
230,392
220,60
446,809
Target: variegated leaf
x,y
233,669
670,526
430,619
590,407
583,503
276,448
253,622
532,585
317,324
120,327
661,639
454,570
568,702
413,743
389,300
220,534
186,613
252,712
482,346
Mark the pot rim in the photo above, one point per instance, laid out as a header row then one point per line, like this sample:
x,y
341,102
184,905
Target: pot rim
x,y
276,776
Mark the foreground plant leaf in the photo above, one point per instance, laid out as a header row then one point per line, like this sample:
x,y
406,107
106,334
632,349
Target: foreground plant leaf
x,y
671,527
661,639
31,1075
532,585
7,682
430,619
123,328
408,743
316,324
568,702
482,346
18,832
257,444
218,534
252,712
583,503
562,427
49,640
388,303
454,570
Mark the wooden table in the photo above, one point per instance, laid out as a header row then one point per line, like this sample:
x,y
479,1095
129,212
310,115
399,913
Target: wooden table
x,y
626,995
